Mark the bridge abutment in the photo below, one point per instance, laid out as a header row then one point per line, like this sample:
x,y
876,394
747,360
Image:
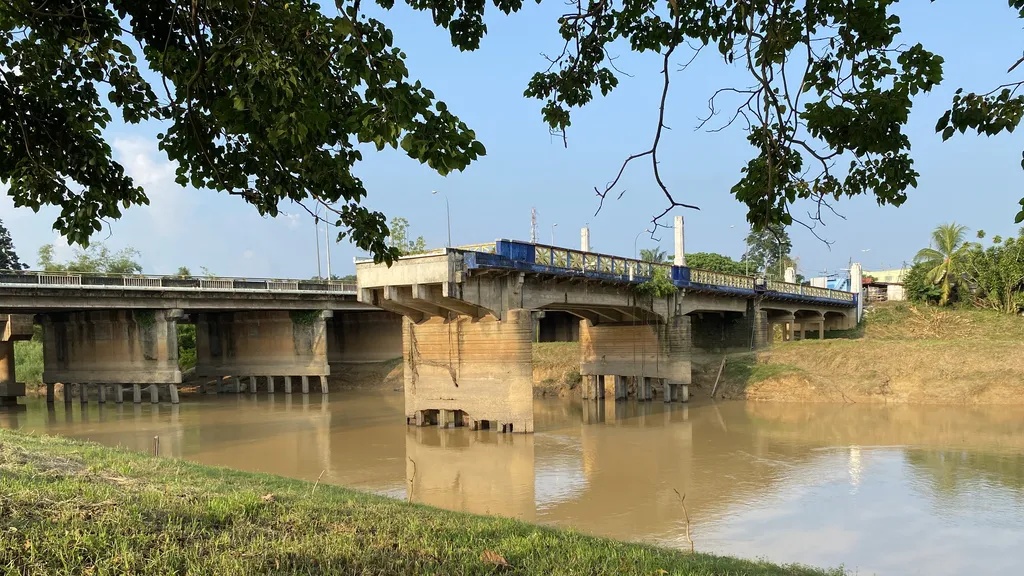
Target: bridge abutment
x,y
263,343
468,369
118,346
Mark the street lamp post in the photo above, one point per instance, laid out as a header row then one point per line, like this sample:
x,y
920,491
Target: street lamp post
x,y
637,237
553,233
448,212
316,237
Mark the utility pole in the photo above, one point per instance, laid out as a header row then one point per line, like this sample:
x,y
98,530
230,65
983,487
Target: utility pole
x,y
533,225
316,236
327,241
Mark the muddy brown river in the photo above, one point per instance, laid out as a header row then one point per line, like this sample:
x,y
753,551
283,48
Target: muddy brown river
x,y
877,489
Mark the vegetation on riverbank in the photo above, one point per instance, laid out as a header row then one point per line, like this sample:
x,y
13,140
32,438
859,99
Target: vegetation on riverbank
x,y
902,353
556,368
69,507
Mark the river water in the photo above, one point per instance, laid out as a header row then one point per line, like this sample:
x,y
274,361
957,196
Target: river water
x,y
887,490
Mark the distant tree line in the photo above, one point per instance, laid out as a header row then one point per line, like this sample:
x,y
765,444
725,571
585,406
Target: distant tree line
x,y
953,271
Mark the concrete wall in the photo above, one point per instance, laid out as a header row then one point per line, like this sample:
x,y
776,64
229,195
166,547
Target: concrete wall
x,y
115,347
722,332
627,349
482,367
358,337
265,343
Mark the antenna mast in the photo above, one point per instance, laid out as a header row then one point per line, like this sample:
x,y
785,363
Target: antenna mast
x,y
533,225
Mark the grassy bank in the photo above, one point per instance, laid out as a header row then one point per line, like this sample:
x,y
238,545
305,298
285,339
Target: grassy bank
x,y
901,353
556,368
68,507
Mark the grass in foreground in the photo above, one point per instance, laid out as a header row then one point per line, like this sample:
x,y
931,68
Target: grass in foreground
x,y
70,507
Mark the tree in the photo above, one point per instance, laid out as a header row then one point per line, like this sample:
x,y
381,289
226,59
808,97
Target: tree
x,y
400,241
996,274
270,100
917,286
96,259
715,263
945,258
183,271
654,255
8,257
767,249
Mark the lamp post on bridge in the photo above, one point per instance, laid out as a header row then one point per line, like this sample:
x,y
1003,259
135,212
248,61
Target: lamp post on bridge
x,y
448,213
553,233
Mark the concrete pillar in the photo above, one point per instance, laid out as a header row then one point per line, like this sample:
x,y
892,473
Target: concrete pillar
x,y
684,393
323,385
444,419
118,393
585,239
136,394
305,384
238,384
821,329
83,393
667,390
173,388
645,388
679,259
481,367
154,394
270,384
621,387
790,275
50,396
252,384
857,287
103,393
287,384
67,392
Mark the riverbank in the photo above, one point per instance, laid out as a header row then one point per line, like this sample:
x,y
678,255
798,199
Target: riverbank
x,y
902,353
77,507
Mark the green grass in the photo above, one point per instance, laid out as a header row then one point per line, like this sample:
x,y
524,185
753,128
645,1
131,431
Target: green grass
x,y
746,369
69,507
28,361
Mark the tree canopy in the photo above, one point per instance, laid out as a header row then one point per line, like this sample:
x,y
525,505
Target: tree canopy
x,y
8,257
946,258
401,242
768,251
97,258
716,263
269,100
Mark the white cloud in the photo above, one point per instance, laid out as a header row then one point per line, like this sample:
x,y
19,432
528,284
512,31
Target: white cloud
x,y
169,203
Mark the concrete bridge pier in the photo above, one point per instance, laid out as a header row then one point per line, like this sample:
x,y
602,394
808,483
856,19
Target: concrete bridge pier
x,y
51,396
14,327
136,394
644,387
620,386
479,369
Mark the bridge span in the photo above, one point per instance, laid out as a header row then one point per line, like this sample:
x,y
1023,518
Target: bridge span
x,y
108,331
470,314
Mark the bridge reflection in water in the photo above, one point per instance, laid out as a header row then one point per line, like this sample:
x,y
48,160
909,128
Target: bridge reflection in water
x,y
822,485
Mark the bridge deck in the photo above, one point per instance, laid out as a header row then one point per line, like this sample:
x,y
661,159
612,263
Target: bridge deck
x,y
542,259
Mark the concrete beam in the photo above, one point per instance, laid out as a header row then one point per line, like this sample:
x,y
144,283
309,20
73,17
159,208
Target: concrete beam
x,y
260,343
39,300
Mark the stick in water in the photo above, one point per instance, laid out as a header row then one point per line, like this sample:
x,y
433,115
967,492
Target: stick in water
x,y
686,516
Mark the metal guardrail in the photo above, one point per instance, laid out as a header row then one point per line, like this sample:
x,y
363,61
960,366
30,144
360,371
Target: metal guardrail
x,y
699,276
593,262
23,279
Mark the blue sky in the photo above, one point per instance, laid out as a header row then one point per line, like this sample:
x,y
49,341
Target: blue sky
x,y
973,180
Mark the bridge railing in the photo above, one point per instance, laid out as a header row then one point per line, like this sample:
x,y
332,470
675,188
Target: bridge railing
x,y
698,276
21,278
579,261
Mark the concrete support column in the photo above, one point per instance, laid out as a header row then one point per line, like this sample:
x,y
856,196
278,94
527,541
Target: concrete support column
x,y
287,384
621,387
667,391
83,393
445,419
821,329
643,389
154,394
238,384
67,392
50,395
103,393
659,350
119,393
479,366
136,394
252,384
173,389
270,384
305,384
324,389
684,393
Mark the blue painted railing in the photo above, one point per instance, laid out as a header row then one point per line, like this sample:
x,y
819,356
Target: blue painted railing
x,y
541,258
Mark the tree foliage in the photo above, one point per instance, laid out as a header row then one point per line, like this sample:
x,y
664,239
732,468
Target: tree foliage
x,y
655,255
266,100
400,240
269,99
945,259
918,288
767,249
96,259
8,257
715,263
996,274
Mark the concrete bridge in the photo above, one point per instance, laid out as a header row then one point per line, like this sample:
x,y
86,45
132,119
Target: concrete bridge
x,y
470,313
109,331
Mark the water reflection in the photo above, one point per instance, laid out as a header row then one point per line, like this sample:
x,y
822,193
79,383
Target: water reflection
x,y
887,489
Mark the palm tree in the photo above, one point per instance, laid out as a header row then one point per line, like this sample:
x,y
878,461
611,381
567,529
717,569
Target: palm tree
x,y
945,257
654,255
